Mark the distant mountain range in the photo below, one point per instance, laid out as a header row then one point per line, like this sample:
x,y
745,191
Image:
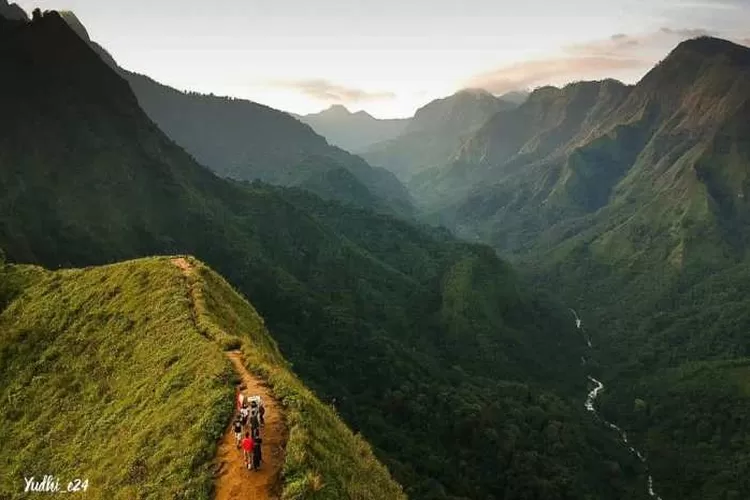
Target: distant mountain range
x,y
572,152
435,132
409,144
353,132
549,122
244,140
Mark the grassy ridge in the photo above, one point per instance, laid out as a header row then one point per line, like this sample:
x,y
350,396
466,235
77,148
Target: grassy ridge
x,y
111,374
104,376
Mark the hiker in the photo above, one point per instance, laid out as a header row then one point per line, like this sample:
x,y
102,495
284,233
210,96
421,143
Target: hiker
x,y
243,414
247,449
262,414
254,422
257,456
237,431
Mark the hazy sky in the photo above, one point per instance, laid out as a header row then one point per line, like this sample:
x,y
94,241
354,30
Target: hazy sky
x,y
391,56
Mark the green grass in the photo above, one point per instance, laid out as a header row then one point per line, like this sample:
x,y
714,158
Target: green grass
x,y
110,374
105,377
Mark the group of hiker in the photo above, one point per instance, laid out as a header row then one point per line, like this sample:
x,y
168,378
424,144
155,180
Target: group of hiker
x,y
247,425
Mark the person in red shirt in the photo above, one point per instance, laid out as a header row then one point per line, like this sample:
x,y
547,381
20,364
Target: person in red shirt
x,y
247,449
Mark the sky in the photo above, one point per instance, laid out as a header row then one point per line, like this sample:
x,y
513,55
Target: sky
x,y
392,56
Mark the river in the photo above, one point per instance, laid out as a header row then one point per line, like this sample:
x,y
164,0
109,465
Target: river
x,y
591,399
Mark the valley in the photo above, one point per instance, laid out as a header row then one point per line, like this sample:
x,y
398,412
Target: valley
x,y
600,192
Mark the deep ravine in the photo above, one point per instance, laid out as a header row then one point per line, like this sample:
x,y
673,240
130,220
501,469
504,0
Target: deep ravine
x,y
591,398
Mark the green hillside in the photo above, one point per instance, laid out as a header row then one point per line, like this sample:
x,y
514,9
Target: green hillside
x,y
434,349
107,377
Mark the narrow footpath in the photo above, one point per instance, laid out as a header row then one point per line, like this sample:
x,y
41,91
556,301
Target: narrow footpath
x,y
233,481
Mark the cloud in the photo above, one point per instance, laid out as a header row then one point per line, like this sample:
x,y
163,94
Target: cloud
x,y
620,55
623,45
687,33
528,74
323,90
711,5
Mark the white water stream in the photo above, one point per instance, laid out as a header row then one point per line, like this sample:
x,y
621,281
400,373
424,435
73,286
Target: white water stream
x,y
591,398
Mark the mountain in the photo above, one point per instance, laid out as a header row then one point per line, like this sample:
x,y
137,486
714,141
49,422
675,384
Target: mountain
x,y
121,374
516,97
546,127
244,140
12,11
353,131
466,381
654,150
435,132
633,205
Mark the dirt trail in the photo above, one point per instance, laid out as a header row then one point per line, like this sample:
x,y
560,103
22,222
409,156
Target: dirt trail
x,y
232,479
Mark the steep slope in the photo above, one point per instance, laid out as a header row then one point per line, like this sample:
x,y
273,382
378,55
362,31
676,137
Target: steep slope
x,y
244,140
353,131
98,364
671,150
643,221
435,132
536,135
370,310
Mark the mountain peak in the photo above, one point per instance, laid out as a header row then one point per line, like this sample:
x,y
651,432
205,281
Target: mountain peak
x,y
707,46
75,24
474,92
337,109
12,11
363,114
517,97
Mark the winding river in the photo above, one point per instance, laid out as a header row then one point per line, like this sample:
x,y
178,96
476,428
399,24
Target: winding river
x,y
591,398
